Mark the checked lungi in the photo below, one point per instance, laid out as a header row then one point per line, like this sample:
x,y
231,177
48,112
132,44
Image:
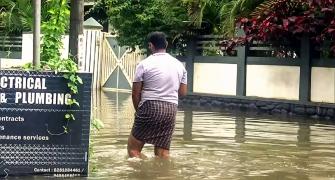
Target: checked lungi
x,y
155,122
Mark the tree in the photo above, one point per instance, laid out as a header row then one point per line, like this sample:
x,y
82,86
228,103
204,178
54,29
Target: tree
x,y
99,13
16,16
134,19
280,21
53,30
220,15
76,26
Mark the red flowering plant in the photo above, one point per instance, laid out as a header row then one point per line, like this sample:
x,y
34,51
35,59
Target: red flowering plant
x,y
278,21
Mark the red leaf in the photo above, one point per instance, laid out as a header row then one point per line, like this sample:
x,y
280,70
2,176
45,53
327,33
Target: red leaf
x,y
327,9
292,18
300,20
244,20
285,24
318,2
318,39
330,30
298,29
333,49
249,39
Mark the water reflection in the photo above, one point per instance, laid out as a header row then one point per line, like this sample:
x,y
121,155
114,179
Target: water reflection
x,y
304,134
216,145
188,116
240,130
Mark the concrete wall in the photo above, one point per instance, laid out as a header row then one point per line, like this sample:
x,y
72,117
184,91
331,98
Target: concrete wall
x,y
271,81
267,81
283,108
215,78
322,85
27,52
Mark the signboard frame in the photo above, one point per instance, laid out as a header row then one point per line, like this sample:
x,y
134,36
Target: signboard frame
x,y
32,137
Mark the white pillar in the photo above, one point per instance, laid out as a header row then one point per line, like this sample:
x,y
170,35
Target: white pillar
x,y
37,33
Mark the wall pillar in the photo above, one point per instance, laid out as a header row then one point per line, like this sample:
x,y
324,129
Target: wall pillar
x,y
191,52
188,120
305,71
241,70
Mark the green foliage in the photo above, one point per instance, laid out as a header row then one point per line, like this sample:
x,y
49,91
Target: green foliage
x,y
220,16
98,12
134,19
230,11
16,16
97,124
73,102
285,22
53,31
203,11
69,117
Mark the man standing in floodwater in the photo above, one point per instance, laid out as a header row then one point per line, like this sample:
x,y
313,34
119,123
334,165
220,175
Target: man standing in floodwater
x,y
159,80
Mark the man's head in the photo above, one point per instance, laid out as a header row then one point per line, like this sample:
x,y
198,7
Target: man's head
x,y
157,41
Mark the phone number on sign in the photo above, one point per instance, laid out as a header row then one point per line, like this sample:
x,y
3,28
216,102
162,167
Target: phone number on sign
x,y
67,170
66,175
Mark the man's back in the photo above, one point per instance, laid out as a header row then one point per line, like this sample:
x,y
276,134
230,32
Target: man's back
x,y
161,75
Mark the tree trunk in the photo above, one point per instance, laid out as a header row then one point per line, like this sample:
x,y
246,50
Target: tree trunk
x,y
76,26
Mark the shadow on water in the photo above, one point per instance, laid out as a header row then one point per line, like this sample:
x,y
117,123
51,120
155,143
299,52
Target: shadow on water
x,y
215,145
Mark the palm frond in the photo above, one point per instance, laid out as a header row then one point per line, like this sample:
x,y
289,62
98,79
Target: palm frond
x,y
7,3
233,10
25,10
263,8
196,9
16,15
268,6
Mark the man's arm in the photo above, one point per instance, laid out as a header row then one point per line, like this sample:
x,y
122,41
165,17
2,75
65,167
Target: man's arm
x,y
182,91
136,93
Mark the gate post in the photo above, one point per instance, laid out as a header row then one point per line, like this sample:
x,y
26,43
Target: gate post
x,y
90,51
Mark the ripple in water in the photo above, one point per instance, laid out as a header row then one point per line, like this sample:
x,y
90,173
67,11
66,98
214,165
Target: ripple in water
x,y
215,145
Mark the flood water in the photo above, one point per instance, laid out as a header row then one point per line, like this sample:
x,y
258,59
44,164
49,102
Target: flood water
x,y
215,145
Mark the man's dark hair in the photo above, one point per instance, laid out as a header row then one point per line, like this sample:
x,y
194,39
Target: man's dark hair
x,y
158,39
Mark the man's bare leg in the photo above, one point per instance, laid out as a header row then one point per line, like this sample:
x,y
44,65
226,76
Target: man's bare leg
x,y
162,153
134,147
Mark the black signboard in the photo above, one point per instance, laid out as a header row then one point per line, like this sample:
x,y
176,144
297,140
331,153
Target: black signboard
x,y
32,139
